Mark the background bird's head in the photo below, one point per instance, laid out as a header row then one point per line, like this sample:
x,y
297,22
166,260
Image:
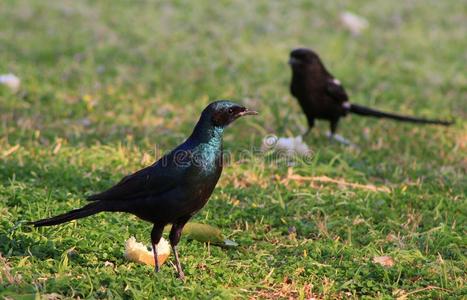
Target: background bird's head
x,y
303,59
222,113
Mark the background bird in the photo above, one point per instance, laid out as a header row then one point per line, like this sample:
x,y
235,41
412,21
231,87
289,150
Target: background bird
x,y
174,188
322,96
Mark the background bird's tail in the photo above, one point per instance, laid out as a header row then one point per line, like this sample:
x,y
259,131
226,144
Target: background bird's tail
x,y
366,111
88,210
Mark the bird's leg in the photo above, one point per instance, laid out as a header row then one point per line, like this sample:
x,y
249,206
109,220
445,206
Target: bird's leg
x,y
174,238
338,138
311,124
333,126
306,133
156,259
181,275
156,235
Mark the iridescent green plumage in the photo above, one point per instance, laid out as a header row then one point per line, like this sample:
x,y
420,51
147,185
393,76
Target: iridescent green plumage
x,y
174,188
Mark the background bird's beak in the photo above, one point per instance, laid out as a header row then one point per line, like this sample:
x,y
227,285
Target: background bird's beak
x,y
293,61
247,112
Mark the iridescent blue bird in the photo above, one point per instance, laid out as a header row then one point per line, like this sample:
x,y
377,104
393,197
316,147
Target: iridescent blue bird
x,y
175,187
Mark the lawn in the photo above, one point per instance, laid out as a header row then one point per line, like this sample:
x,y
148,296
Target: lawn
x,y
108,86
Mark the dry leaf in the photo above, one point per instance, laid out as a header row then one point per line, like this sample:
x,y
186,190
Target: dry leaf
x,y
10,151
340,182
5,272
109,264
385,261
58,146
146,159
52,296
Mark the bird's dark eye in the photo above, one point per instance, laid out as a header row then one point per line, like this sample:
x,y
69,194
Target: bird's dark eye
x,y
230,111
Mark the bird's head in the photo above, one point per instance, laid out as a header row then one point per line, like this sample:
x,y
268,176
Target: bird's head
x,y
221,113
303,58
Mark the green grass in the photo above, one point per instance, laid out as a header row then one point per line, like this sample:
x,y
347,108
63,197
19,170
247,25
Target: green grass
x,y
107,86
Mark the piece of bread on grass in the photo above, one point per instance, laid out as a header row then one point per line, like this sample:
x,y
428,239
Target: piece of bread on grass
x,y
139,253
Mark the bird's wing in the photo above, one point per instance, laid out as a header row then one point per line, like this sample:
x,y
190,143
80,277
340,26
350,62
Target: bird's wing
x,y
336,91
152,180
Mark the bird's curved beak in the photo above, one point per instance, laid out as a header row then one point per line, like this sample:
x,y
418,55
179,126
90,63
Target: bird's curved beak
x,y
247,112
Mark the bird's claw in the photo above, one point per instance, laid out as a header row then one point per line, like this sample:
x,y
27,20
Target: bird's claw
x,y
181,276
306,133
340,139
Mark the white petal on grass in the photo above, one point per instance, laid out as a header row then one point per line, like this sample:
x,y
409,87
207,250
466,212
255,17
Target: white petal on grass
x,y
11,81
354,23
289,145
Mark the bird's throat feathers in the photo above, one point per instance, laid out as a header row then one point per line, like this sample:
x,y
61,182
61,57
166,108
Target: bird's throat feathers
x,y
206,144
207,133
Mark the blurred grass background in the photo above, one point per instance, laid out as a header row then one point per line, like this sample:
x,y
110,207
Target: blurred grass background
x,y
107,86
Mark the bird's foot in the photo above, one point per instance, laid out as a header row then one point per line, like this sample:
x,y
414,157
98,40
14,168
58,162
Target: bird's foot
x,y
157,269
181,275
340,139
306,133
178,266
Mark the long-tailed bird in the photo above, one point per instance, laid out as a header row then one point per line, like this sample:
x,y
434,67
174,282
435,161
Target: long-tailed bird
x,y
174,188
322,96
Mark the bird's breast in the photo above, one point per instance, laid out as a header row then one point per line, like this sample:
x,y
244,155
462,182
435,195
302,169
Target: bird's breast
x,y
207,159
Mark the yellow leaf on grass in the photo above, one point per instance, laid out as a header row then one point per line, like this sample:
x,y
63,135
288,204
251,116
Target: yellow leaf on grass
x,y
204,233
201,232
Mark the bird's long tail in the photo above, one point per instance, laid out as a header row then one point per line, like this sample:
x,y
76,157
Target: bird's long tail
x,y
366,111
85,211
